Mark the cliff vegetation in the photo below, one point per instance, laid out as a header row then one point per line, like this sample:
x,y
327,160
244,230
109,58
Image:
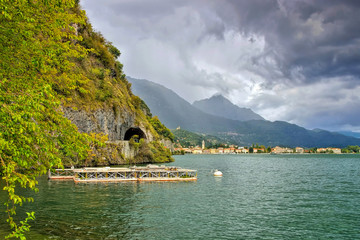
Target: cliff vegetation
x,y
52,60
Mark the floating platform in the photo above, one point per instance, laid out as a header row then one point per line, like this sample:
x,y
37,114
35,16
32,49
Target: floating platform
x,y
140,174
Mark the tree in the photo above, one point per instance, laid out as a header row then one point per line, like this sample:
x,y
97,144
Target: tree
x,y
351,149
38,45
268,149
313,150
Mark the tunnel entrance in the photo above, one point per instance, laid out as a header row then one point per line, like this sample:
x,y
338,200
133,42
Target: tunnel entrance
x,y
134,131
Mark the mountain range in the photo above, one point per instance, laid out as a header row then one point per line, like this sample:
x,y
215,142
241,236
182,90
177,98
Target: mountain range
x,y
351,134
175,111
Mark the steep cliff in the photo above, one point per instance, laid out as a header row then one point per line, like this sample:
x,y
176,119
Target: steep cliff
x,y
104,104
64,101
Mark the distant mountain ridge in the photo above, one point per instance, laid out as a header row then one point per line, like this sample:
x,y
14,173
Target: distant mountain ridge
x,y
351,134
218,105
174,111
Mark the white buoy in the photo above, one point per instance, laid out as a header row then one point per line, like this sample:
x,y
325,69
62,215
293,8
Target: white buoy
x,y
217,173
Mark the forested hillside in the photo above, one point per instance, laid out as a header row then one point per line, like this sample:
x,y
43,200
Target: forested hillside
x,y
185,138
51,62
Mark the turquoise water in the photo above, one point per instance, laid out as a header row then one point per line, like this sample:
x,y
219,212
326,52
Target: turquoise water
x,y
259,197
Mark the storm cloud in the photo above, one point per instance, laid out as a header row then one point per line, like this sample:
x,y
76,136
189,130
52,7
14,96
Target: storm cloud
x,y
297,61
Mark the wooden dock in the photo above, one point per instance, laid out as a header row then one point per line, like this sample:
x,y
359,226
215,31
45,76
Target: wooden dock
x,y
140,174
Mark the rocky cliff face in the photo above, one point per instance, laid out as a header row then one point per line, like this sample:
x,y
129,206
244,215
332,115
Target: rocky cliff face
x,y
118,125
112,122
168,144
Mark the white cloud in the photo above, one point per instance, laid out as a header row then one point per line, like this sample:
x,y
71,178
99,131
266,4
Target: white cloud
x,y
326,104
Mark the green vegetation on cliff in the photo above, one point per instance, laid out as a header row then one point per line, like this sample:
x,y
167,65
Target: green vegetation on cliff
x,y
161,128
36,56
50,58
153,152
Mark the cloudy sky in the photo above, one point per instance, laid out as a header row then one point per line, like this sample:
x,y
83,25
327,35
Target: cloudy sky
x,y
297,61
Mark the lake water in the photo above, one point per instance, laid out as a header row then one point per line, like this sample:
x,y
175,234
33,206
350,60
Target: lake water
x,y
258,197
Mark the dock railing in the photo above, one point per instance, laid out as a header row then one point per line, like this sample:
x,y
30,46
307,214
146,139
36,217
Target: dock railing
x,y
125,174
61,174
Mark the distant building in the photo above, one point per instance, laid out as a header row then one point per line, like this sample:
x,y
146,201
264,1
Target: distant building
x,y
337,150
299,150
329,150
187,150
197,150
321,150
258,150
244,150
214,151
206,151
278,149
334,150
203,145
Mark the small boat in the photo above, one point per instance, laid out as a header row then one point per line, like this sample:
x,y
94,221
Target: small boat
x,y
217,173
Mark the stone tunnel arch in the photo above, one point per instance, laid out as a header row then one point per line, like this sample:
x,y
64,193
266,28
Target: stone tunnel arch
x,y
134,131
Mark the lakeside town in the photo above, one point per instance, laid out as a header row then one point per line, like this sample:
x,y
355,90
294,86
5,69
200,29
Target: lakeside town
x,y
234,149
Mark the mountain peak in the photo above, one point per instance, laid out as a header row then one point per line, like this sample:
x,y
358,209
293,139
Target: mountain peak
x,y
218,97
219,105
